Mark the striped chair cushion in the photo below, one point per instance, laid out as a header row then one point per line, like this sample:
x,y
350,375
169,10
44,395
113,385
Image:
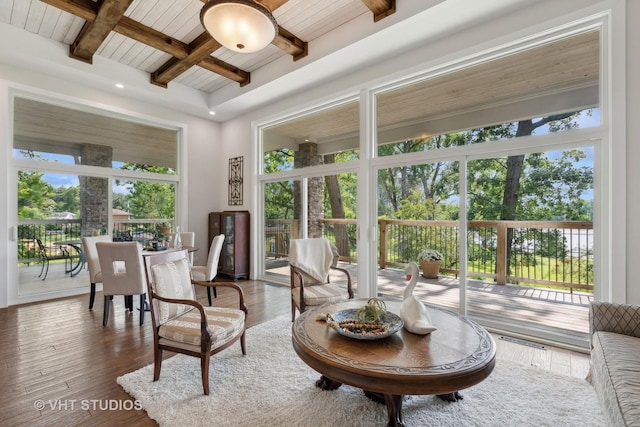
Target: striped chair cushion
x,y
321,294
224,324
172,280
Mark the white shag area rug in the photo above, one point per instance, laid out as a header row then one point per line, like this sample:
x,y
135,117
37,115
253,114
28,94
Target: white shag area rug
x,y
271,386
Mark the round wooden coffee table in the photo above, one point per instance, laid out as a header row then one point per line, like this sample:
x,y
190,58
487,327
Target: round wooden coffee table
x,y
459,354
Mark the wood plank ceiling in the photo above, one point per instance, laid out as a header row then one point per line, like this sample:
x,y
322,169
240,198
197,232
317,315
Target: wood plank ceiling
x,y
166,39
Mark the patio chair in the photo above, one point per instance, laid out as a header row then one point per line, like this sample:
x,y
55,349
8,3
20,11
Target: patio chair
x,y
46,256
181,324
311,261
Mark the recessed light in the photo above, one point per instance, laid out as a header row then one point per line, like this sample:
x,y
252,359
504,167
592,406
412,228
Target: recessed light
x,y
119,85
212,113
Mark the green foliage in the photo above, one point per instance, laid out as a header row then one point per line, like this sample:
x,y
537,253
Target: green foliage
x,y
35,196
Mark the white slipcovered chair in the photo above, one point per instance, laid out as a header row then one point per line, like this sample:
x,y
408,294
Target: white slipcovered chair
x,y
181,324
188,238
115,281
91,255
311,261
208,273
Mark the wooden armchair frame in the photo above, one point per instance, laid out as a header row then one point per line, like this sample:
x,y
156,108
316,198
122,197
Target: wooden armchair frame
x,y
206,350
299,274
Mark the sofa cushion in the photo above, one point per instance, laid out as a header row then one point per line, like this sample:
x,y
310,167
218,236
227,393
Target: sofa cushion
x,y
615,375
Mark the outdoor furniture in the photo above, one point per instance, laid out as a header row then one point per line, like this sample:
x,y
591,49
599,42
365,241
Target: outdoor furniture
x,y
180,323
46,256
310,261
208,273
129,282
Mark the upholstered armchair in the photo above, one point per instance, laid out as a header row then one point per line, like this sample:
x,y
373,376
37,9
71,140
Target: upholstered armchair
x,y
311,261
181,324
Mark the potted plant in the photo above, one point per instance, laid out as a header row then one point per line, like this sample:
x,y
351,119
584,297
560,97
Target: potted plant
x,y
430,261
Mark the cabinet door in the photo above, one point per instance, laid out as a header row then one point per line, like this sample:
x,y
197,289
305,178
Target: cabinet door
x,y
228,249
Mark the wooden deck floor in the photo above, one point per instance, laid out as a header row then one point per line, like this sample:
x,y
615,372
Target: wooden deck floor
x,y
557,312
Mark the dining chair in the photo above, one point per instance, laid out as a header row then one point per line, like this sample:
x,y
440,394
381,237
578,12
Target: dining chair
x,y
208,273
91,255
311,261
188,238
181,324
130,282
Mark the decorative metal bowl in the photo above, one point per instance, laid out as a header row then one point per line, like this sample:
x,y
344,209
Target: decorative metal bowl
x,y
391,323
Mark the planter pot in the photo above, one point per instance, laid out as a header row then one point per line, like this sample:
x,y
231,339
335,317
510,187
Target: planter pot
x,y
430,269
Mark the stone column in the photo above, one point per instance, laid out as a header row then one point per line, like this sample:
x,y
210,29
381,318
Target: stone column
x,y
94,209
307,155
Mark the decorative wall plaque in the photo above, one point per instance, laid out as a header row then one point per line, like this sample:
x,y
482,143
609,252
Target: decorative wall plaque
x,y
235,181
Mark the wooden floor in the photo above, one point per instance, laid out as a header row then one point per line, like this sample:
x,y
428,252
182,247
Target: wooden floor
x,y
57,352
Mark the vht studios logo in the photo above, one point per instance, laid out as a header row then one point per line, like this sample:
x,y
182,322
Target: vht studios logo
x,y
87,404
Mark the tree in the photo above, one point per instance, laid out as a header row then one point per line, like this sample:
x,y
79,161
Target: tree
x,y
67,199
149,199
35,196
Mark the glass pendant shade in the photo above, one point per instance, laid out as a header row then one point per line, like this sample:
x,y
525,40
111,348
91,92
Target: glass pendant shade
x,y
239,25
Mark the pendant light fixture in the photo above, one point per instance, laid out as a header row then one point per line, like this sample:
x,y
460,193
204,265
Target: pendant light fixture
x,y
240,25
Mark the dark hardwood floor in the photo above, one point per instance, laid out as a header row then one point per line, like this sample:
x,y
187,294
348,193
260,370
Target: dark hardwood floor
x,y
57,354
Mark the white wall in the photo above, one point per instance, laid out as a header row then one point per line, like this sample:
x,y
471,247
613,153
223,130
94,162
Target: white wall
x,y
541,16
203,152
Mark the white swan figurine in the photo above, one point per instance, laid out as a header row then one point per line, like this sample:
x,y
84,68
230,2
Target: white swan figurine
x,y
412,311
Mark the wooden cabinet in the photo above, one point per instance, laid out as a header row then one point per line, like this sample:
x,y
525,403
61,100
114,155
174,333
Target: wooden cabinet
x,y
234,258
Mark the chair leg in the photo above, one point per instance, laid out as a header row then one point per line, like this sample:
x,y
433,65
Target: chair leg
x,y
157,364
105,316
293,310
243,344
204,367
209,295
45,269
92,296
142,298
128,302
44,261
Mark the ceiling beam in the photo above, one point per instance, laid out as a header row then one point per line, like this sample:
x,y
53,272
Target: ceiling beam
x,y
380,8
291,44
199,49
226,70
94,32
85,9
88,10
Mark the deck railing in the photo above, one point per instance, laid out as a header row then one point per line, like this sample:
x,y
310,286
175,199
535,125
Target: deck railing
x,y
549,253
50,231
